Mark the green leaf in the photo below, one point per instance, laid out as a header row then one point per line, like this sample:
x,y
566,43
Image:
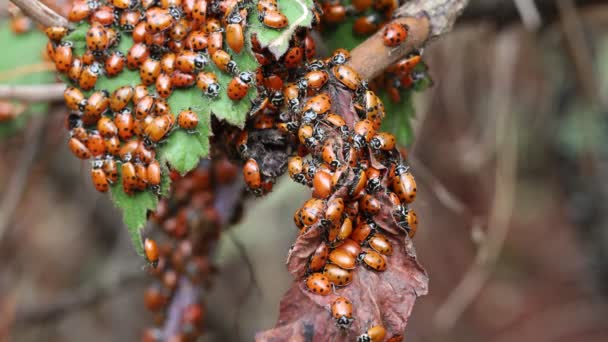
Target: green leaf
x,y
299,14
342,36
25,50
398,117
183,150
135,207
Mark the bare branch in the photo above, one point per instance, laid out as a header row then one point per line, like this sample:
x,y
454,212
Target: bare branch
x,y
425,19
500,214
40,13
32,93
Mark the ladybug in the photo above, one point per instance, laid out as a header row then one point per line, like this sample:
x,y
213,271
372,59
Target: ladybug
x,y
74,99
224,62
342,312
114,64
373,334
362,230
241,142
406,65
319,104
319,284
88,77
361,6
152,252
334,13
343,231
97,104
337,121
164,86
110,169
273,19
161,107
199,11
380,244
81,10
351,247
263,121
167,62
295,168
143,154
322,185
95,144
339,57
142,176
127,151
404,184
318,258
235,36
63,56
292,95
129,19
158,19
98,176
342,259
293,57
314,80
138,54
139,92
21,24
149,71
305,135
79,149
181,79
56,33
338,276
311,211
114,37
215,41
310,47
368,24
386,5
156,130
188,120
123,4
190,62
239,86
180,31
267,5
97,37
335,208
144,107
199,41
139,33
363,133
112,145
274,82
252,175
411,221
348,77
120,98
125,123
370,205
394,34
383,141
129,177
373,260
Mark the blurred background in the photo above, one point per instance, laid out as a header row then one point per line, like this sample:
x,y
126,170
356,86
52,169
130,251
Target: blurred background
x,y
510,155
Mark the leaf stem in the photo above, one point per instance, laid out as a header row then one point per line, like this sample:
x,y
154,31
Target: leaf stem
x,y
41,13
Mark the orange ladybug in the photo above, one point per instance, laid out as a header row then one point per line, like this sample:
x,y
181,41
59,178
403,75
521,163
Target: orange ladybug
x,y
342,312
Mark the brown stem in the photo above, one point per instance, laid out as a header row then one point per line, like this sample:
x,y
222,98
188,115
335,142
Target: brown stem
x,y
40,13
32,93
425,19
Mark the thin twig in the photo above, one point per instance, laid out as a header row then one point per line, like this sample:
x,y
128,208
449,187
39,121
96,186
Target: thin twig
x,y
27,69
32,93
425,19
40,13
17,183
506,141
78,299
529,13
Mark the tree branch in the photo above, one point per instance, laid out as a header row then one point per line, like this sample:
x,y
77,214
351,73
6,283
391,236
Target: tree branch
x,y
40,13
32,93
426,19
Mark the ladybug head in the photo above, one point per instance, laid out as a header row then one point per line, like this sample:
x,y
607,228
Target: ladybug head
x,y
364,338
309,116
375,143
344,322
97,163
213,89
234,17
359,141
401,169
246,77
373,185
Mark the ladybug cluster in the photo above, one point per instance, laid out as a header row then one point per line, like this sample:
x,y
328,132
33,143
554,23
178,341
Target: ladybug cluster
x,y
174,43
192,223
352,168
402,75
